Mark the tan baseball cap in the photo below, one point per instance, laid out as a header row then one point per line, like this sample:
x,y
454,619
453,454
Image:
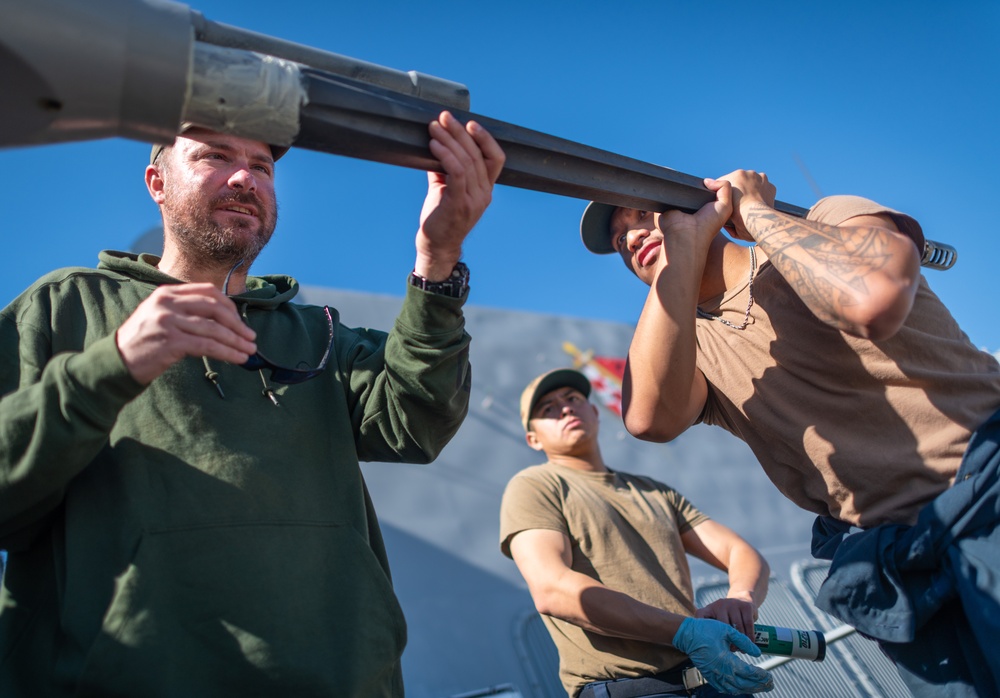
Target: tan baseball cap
x,y
276,150
560,377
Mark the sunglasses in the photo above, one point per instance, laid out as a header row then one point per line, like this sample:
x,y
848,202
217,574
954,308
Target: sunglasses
x,y
284,374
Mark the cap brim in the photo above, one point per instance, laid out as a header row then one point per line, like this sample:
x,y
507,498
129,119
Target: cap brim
x,y
595,227
559,378
276,150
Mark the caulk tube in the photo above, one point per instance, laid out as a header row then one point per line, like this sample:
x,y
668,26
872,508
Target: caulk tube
x,y
798,644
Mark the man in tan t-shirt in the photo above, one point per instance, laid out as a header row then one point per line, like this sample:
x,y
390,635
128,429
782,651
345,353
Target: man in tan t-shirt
x,y
604,556
823,347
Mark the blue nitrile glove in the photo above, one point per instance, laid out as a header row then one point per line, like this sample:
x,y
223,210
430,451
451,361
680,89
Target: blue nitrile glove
x,y
707,642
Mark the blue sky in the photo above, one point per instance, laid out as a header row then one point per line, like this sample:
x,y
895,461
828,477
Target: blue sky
x,y
896,101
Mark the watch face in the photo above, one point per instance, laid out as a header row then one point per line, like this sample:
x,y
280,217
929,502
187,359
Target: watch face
x,y
460,274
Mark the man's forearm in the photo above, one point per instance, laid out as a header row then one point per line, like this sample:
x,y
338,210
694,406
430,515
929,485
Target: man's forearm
x,y
748,575
661,396
53,428
592,606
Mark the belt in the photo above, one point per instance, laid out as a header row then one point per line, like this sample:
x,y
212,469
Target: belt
x,y
681,680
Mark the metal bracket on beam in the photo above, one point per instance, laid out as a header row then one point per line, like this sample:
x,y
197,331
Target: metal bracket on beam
x,y
938,255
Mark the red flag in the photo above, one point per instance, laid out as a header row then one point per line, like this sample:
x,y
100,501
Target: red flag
x,y
605,374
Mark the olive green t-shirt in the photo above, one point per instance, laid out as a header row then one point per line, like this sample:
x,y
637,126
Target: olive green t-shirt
x,y
625,532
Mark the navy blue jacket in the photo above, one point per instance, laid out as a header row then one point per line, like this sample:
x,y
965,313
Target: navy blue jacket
x,y
887,581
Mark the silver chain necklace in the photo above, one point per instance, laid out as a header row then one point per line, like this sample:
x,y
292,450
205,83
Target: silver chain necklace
x,y
746,317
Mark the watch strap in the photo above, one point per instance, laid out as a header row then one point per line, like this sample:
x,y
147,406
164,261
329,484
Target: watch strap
x,y
454,286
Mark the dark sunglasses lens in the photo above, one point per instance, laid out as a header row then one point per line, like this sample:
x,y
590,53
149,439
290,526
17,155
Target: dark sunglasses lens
x,y
281,374
255,362
289,376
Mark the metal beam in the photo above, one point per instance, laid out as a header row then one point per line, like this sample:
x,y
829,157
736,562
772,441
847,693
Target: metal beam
x,y
361,121
346,117
159,64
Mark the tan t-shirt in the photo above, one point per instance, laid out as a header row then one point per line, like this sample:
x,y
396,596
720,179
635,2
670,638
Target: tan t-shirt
x,y
867,432
625,532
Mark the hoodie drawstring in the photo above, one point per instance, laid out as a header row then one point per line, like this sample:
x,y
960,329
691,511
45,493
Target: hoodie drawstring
x,y
213,377
268,391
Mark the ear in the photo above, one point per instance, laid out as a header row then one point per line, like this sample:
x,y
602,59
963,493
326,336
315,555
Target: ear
x,y
533,441
597,417
154,183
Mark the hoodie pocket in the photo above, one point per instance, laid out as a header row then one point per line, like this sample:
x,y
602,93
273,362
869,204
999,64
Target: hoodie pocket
x,y
250,610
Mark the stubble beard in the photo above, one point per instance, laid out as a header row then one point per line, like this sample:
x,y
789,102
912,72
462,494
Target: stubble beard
x,y
208,241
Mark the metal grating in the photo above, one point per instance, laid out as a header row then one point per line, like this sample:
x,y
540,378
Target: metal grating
x,y
539,657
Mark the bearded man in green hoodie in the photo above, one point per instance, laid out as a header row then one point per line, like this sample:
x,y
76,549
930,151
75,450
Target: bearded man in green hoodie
x,y
173,529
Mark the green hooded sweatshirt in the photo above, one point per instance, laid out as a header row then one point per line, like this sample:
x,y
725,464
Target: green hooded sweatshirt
x,y
169,541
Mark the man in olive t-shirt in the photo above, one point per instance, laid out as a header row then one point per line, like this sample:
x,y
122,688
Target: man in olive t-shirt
x,y
604,556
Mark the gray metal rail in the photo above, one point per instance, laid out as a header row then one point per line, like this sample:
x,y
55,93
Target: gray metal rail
x,y
428,87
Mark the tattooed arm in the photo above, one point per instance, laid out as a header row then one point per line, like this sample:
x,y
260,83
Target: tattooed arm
x,y
859,277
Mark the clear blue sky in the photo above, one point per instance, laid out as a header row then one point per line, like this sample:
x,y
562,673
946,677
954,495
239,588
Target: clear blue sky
x,y
896,101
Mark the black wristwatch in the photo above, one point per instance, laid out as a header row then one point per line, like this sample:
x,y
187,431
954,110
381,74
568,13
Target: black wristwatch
x,y
454,286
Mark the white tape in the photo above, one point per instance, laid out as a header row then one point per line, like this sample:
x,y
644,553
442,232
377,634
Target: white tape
x,y
245,93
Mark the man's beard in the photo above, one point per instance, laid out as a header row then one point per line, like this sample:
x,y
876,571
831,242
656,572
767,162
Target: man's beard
x,y
205,240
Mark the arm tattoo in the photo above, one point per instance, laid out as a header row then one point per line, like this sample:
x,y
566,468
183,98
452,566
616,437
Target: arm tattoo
x,y
825,265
